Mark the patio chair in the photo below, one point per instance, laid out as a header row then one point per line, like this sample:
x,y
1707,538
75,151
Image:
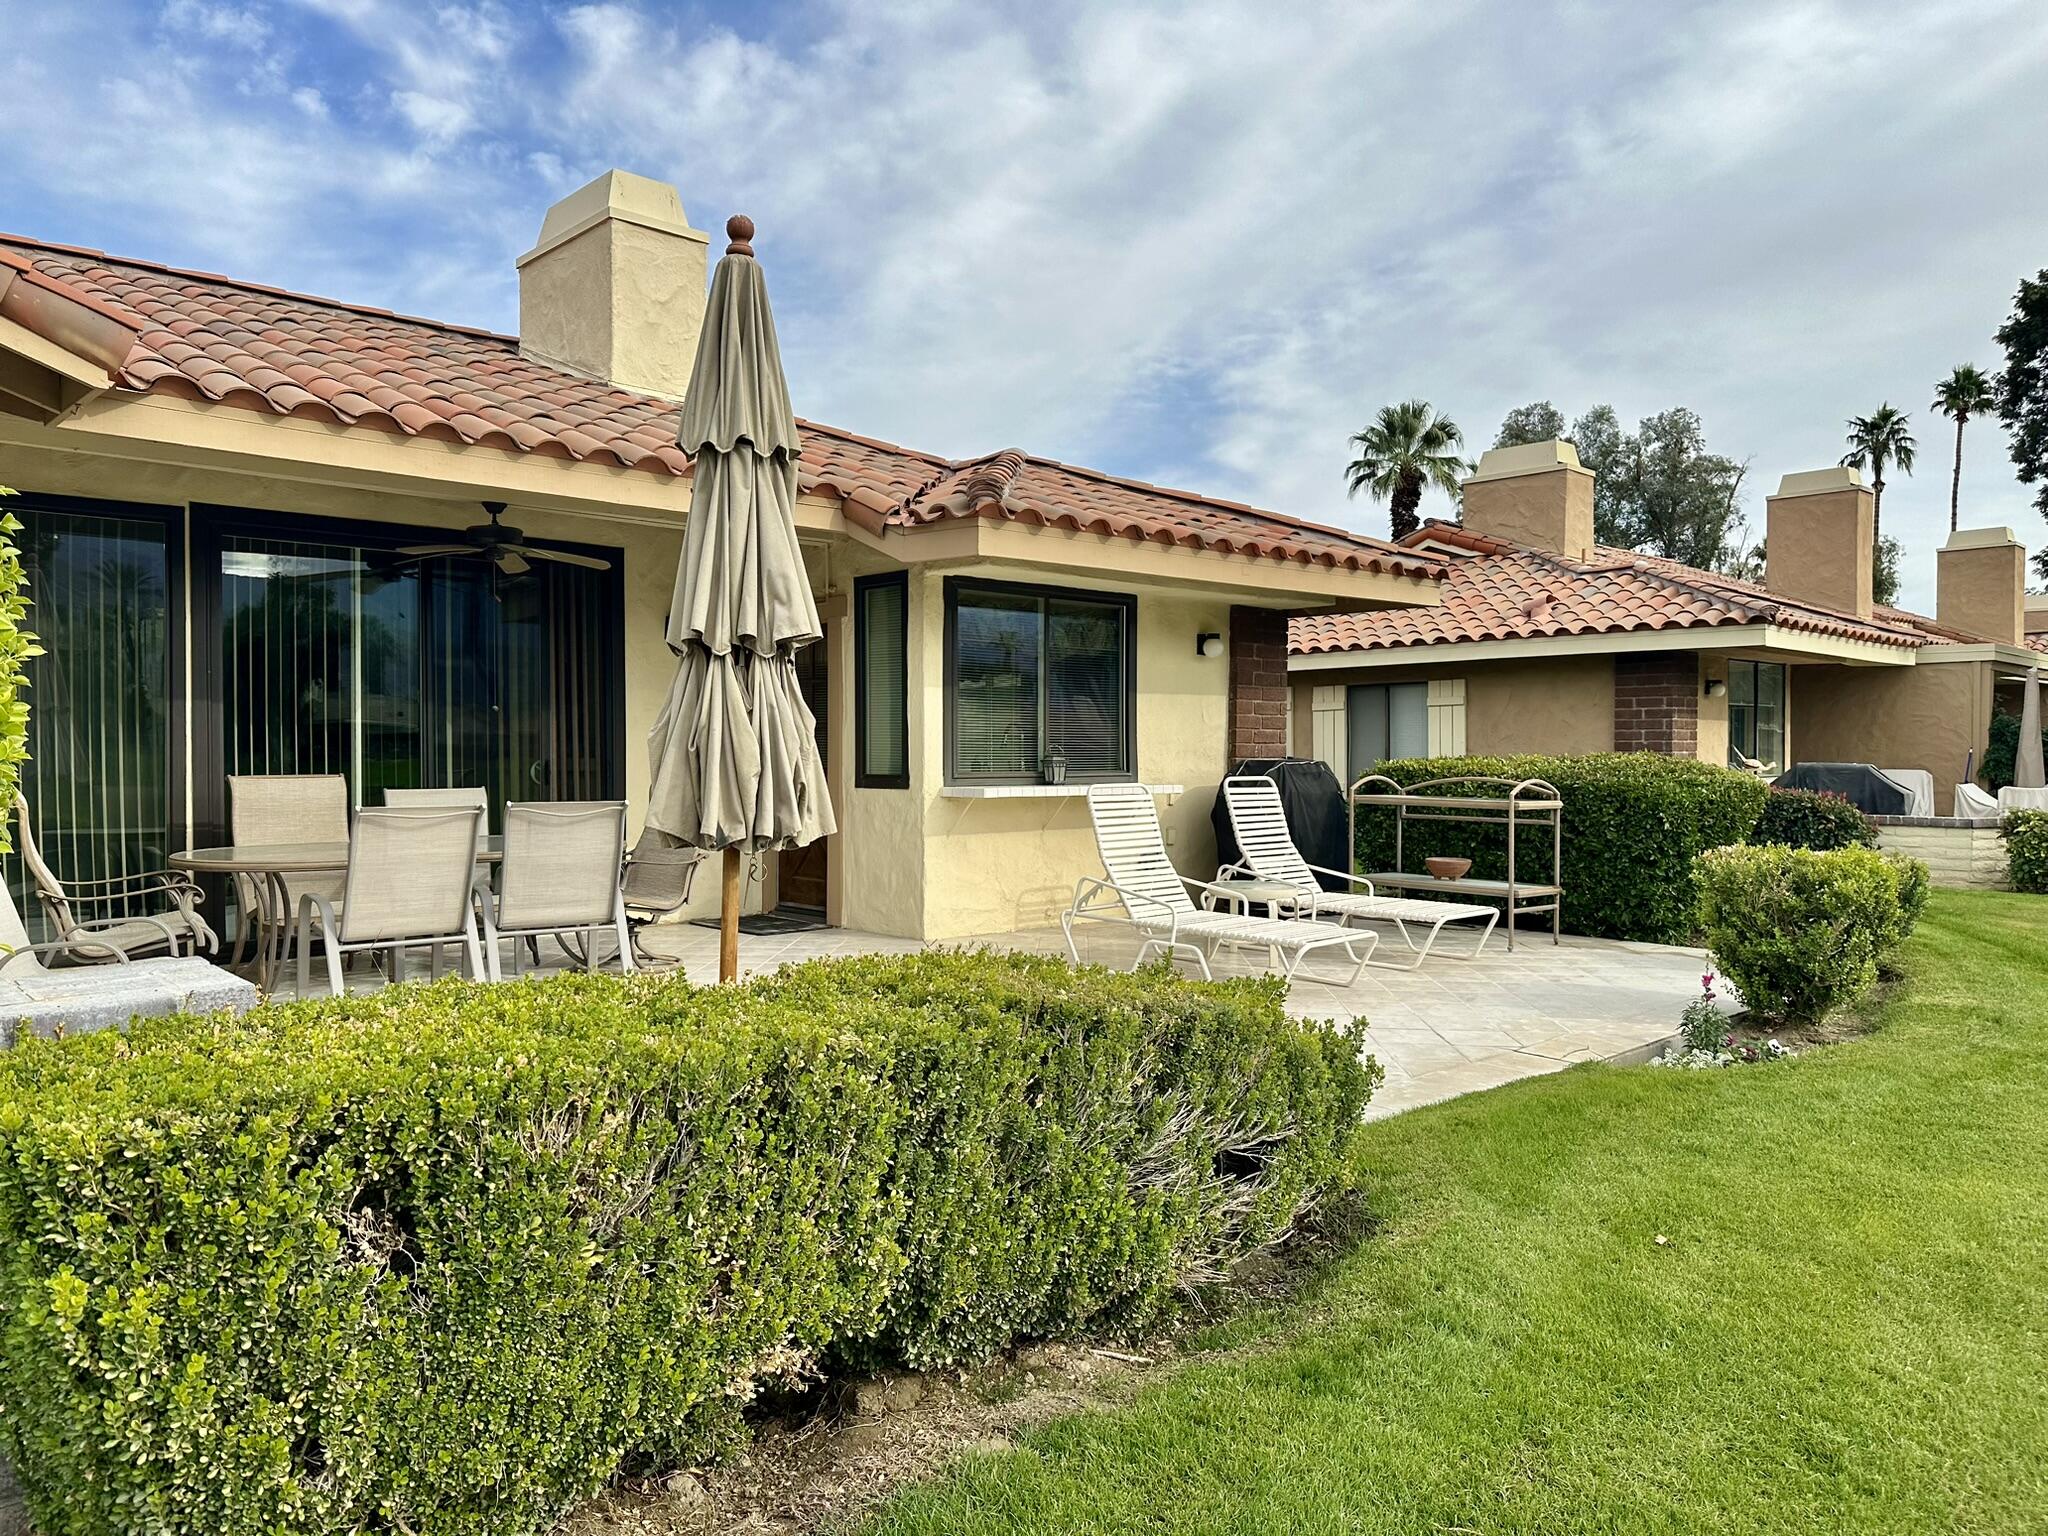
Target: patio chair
x,y
1268,853
659,875
561,876
1145,892
271,808
121,935
411,882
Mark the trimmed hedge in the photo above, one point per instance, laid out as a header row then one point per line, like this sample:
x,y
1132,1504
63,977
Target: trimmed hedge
x,y
1803,933
1807,818
446,1259
2026,850
1633,823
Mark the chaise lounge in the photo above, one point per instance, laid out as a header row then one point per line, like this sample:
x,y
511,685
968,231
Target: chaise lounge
x,y
1145,892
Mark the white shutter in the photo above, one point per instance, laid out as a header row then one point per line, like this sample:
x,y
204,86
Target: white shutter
x,y
1326,727
1447,717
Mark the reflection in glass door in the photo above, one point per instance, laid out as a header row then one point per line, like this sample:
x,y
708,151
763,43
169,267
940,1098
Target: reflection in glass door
x,y
97,779
336,658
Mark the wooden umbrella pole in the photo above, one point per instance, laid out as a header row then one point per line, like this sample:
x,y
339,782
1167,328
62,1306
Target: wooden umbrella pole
x,y
729,918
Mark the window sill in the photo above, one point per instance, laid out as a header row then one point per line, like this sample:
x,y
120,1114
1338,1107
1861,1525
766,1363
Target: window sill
x,y
1033,791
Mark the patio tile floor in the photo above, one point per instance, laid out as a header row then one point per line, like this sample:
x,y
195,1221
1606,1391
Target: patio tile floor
x,y
1453,1027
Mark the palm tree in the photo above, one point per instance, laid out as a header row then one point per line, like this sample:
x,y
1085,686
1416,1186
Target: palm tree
x,y
1876,440
1965,393
1407,447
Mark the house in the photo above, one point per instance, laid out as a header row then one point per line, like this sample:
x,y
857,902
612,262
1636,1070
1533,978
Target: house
x,y
1548,642
219,480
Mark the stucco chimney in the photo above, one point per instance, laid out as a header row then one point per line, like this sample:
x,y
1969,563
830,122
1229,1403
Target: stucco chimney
x,y
1820,550
1980,585
1536,494
614,289
2037,614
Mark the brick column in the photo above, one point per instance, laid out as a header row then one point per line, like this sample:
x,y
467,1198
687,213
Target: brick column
x,y
1657,703
1258,683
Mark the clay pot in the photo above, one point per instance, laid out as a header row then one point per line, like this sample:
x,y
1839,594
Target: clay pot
x,y
1446,868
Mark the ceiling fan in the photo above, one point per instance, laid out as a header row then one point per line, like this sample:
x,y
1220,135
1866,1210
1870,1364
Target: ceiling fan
x,y
501,544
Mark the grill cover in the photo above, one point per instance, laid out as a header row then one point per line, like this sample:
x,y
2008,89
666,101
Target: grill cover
x,y
1313,802
1862,785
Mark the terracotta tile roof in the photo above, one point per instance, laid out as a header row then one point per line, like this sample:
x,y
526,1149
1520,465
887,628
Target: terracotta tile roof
x,y
202,336
1500,591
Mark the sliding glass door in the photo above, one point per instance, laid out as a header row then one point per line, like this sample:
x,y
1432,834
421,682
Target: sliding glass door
x,y
98,777
335,656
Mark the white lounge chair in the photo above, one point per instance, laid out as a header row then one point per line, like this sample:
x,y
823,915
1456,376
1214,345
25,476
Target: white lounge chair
x,y
1144,891
1267,853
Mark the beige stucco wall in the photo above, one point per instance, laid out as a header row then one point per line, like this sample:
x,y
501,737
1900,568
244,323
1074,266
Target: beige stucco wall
x,y
994,865
1931,716
1560,705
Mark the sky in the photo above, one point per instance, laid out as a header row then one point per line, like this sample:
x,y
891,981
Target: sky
x,y
1195,243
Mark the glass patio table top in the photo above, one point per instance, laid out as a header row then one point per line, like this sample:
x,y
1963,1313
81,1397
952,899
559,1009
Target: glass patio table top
x,y
290,858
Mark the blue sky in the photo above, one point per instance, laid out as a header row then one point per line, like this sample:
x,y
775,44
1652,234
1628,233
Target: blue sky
x,y
1197,243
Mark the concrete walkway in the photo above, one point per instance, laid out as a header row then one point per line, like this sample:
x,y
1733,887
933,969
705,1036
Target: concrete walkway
x,y
1452,1027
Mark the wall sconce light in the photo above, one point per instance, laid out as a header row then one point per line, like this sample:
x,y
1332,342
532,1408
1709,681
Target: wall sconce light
x,y
1208,645
1716,686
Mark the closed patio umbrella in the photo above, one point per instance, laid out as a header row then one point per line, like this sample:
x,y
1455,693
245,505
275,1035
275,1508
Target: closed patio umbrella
x,y
2027,768
734,750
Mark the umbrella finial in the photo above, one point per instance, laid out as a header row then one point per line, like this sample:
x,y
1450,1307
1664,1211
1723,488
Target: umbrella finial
x,y
739,229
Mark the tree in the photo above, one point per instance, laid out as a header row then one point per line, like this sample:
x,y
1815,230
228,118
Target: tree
x,y
1876,440
1407,448
1884,572
1964,393
2023,393
1537,422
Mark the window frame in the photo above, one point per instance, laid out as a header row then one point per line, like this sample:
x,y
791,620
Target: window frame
x,y
862,586
1748,748
1127,602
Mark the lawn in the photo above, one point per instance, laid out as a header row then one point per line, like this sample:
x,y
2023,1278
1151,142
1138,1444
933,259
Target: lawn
x,y
1843,1331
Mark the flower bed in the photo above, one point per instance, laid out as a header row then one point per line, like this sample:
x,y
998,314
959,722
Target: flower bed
x,y
447,1259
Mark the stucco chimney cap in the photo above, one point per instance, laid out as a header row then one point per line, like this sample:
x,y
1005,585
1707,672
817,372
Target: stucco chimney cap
x,y
1528,459
1818,482
1980,538
616,195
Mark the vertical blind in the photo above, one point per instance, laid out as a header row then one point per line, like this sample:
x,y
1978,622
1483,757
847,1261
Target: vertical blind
x,y
1385,721
97,776
881,665
1034,670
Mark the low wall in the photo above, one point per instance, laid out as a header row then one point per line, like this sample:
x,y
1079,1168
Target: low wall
x,y
1961,852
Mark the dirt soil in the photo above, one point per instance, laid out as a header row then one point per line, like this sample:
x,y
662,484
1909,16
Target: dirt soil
x,y
864,1440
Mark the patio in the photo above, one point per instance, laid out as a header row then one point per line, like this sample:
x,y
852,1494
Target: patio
x,y
1453,1027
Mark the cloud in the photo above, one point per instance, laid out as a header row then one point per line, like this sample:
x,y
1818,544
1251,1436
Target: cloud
x,y
1194,242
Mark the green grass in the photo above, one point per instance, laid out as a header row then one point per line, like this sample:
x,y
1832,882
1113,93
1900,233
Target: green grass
x,y
1848,1330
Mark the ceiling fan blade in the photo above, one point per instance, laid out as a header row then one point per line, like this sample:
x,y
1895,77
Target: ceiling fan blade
x,y
428,551
562,557
510,562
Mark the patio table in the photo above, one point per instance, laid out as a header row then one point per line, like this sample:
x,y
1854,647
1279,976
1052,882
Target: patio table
x,y
265,866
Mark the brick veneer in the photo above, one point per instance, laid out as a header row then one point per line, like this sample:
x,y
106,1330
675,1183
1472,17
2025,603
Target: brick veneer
x,y
1657,703
1258,683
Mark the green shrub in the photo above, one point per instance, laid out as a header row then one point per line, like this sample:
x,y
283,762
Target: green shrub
x,y
445,1259
1803,933
2026,850
1805,818
1632,825
2002,749
17,645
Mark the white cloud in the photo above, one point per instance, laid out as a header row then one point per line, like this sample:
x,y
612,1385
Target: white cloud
x,y
1195,242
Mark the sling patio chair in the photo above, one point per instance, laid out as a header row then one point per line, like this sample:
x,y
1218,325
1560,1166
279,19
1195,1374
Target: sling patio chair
x,y
265,809
560,876
1267,853
125,934
1145,892
411,882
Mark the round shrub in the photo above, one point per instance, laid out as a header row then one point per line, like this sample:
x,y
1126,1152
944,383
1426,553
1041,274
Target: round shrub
x,y
1805,818
1633,822
2002,749
2026,850
1803,933
445,1259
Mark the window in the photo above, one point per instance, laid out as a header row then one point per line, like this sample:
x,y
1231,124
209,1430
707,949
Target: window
x,y
1756,714
881,608
1030,670
1383,721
